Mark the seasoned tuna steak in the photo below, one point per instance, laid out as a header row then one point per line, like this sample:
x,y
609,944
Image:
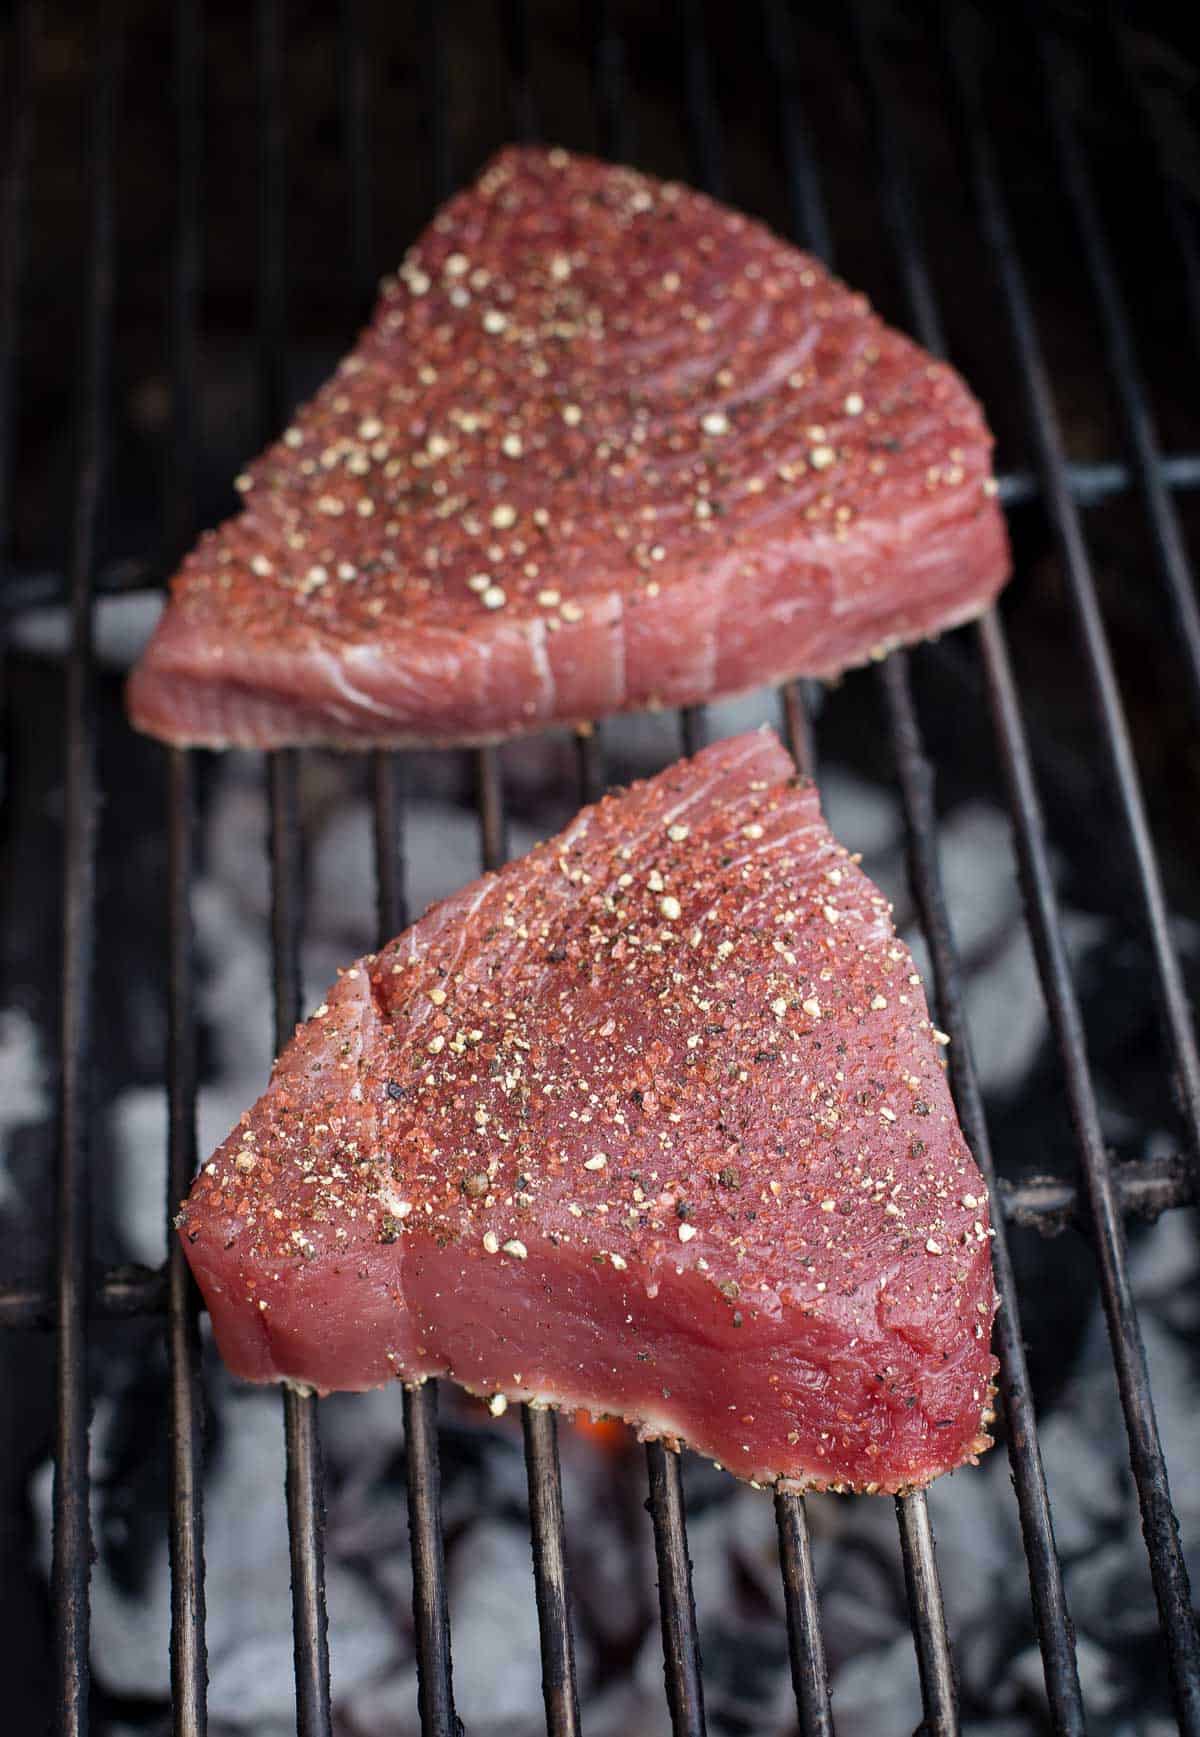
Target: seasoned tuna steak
x,y
652,1122
605,444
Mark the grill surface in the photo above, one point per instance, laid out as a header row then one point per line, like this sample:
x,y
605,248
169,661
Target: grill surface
x,y
1104,1194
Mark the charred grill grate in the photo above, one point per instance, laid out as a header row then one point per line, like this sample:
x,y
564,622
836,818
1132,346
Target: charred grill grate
x,y
1104,1193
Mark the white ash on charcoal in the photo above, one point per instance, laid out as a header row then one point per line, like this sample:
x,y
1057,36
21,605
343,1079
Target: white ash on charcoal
x,y
24,1097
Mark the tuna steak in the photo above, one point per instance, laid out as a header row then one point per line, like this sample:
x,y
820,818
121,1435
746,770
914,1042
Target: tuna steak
x,y
652,1122
605,444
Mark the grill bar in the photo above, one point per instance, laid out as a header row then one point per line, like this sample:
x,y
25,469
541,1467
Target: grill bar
x,y
1146,1189
1047,1204
118,1295
1090,484
708,158
1051,1615
806,1644
14,202
1052,1618
681,1645
387,795
435,1682
272,192
520,87
422,1468
589,763
1180,216
539,1427
1159,1525
1149,1468
71,1554
304,1482
356,131
493,830
305,1494
927,1613
185,1402
559,1689
189,1667
1077,569
431,1614
540,1431
809,219
1166,534
928,1616
1146,1456
614,129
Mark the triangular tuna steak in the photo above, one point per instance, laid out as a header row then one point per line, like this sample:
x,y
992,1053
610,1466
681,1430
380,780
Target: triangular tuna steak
x,y
605,444
652,1122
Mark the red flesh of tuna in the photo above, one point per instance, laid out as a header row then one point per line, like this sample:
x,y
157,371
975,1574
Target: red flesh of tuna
x,y
653,1123
605,444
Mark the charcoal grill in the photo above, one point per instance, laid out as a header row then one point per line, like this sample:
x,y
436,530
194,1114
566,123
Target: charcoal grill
x,y
958,44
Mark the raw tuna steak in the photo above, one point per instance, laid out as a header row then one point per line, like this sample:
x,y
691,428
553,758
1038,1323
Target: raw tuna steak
x,y
605,444
652,1122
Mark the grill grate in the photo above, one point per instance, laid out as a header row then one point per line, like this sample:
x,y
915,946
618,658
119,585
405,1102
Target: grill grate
x,y
1106,1192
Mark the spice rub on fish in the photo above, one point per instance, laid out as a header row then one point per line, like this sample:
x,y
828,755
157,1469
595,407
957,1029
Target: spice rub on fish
x,y
651,1122
605,444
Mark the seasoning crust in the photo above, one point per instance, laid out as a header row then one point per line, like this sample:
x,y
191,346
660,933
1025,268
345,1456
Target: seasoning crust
x,y
654,1122
605,444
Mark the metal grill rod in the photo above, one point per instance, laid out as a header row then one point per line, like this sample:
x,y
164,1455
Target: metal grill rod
x,y
117,1295
14,202
431,1617
1181,217
71,1550
928,1617
614,127
185,1405
1051,1614
1166,534
543,1472
1176,1004
185,1398
681,1644
930,1636
809,220
422,1470
355,104
1046,1204
548,1539
544,1476
304,1484
1159,1524
1090,484
806,1643
1055,1633
1167,1566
